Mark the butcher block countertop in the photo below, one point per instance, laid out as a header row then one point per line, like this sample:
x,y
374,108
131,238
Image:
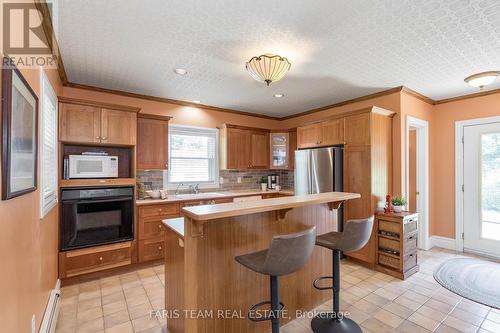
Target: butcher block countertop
x,y
210,212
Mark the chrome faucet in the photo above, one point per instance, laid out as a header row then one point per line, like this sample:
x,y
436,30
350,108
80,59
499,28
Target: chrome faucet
x,y
194,189
177,189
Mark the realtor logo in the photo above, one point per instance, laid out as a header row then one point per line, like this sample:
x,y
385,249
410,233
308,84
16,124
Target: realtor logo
x,y
24,37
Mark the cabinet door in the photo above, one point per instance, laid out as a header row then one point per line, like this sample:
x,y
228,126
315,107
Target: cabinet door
x,y
309,136
357,129
79,123
292,138
357,179
118,127
332,132
259,150
238,148
152,144
280,154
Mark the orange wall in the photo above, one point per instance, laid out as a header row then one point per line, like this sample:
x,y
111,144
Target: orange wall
x,y
443,154
182,115
28,248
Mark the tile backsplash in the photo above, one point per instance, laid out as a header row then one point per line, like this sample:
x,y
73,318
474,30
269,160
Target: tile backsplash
x,y
250,179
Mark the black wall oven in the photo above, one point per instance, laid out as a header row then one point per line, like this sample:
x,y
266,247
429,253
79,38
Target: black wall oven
x,y
96,216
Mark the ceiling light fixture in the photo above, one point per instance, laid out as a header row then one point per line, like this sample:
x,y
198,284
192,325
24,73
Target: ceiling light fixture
x,y
268,68
483,79
279,95
196,101
180,71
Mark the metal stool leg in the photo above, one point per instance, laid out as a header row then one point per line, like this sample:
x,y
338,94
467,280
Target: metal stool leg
x,y
275,305
334,322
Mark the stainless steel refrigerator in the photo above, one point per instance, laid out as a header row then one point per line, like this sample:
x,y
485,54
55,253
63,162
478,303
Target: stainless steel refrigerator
x,y
319,170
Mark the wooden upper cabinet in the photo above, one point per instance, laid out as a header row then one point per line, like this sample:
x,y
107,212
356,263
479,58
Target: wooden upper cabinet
x,y
259,150
309,136
152,142
118,127
358,129
79,123
97,123
332,132
238,148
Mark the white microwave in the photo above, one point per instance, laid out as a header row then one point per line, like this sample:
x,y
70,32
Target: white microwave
x,y
91,166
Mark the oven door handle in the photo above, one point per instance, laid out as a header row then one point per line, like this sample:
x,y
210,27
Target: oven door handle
x,y
97,200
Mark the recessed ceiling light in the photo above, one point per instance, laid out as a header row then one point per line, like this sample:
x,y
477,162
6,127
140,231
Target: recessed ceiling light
x,y
196,101
481,80
180,71
279,95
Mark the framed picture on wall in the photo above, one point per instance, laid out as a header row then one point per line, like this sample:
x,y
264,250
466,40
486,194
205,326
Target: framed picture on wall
x,y
19,135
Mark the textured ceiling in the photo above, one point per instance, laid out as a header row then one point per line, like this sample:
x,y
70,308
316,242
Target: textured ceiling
x,y
338,49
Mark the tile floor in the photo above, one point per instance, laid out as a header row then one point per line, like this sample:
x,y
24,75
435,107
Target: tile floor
x,y
378,302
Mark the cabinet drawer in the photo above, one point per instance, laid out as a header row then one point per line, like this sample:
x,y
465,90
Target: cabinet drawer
x,y
410,261
410,242
388,261
151,211
151,249
94,259
391,228
389,244
410,226
151,229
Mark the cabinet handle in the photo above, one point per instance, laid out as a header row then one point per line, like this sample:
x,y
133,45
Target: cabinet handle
x,y
159,226
159,209
159,247
100,258
104,137
97,137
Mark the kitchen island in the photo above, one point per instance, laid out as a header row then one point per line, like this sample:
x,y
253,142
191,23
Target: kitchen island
x,y
207,291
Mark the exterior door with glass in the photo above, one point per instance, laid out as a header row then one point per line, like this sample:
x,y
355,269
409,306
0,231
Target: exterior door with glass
x,y
482,189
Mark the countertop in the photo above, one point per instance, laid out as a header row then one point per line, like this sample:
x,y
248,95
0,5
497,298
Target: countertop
x,y
210,212
210,196
175,224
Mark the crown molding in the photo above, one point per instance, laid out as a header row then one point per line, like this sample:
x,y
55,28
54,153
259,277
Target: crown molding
x,y
474,95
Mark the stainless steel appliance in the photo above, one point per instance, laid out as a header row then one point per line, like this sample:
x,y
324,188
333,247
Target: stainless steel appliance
x,y
93,216
272,181
93,166
319,170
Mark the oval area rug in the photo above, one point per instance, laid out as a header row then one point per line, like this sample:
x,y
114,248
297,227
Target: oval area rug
x,y
477,280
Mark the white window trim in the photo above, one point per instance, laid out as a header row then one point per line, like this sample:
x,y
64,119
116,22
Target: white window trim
x,y
173,186
46,89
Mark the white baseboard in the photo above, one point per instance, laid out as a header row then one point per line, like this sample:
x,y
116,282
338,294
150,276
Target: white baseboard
x,y
49,320
442,242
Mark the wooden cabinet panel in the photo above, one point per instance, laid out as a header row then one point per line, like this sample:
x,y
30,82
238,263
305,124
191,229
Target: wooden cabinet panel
x,y
152,144
291,149
332,132
259,150
309,136
357,129
150,229
155,211
118,127
77,262
151,249
238,148
79,123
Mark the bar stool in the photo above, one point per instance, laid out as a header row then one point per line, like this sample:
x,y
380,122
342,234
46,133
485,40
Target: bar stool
x,y
355,235
286,254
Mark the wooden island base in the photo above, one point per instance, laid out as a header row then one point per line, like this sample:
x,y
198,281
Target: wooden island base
x,y
202,277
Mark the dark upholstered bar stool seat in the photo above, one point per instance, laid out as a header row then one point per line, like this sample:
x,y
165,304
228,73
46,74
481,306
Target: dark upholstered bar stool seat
x,y
286,254
355,235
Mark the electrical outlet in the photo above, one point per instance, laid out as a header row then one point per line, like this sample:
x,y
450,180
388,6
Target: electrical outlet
x,y
221,180
239,180
33,324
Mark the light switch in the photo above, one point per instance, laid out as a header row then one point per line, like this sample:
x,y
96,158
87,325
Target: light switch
x,y
239,180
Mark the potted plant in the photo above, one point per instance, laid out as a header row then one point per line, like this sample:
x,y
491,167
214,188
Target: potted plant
x,y
263,183
398,203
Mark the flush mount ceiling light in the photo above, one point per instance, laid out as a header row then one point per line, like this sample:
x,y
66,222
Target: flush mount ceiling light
x,y
268,68
481,80
180,71
279,95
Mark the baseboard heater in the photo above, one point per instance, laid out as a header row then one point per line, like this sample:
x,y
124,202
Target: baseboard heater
x,y
49,321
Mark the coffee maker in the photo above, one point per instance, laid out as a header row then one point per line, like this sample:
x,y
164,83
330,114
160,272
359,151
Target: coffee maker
x,y
272,182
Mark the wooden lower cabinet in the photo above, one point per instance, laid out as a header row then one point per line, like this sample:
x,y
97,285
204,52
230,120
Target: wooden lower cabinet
x,y
151,249
151,232
94,259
